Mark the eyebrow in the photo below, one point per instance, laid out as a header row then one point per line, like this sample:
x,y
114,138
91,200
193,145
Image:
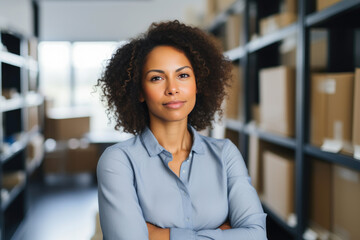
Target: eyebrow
x,y
161,71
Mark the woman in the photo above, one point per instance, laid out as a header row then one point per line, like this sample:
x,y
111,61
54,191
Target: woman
x,y
169,182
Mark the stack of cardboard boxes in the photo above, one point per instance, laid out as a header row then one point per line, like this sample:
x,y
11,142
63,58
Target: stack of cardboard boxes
x,y
234,100
71,153
215,7
335,105
272,171
334,201
285,17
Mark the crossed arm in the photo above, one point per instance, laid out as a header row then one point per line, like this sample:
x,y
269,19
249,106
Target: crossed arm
x,y
156,233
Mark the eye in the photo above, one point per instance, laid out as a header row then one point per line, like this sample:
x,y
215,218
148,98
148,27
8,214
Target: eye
x,y
155,78
184,75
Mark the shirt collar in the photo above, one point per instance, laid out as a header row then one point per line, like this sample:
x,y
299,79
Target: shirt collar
x,y
154,148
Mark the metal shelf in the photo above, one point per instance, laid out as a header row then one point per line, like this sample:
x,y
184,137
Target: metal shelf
x,y
272,38
11,104
336,158
278,220
236,53
13,193
270,137
12,59
234,124
15,148
317,19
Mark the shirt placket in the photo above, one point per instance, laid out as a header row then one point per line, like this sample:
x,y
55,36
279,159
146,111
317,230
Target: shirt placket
x,y
182,184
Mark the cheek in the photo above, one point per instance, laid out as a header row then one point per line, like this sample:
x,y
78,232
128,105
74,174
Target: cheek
x,y
151,95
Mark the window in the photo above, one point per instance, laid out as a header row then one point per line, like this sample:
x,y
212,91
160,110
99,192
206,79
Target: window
x,y
69,72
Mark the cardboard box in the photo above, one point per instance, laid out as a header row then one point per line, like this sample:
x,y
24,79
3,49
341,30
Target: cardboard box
x,y
234,31
33,117
331,110
275,22
222,5
346,197
55,161
277,100
234,101
35,148
356,121
12,179
82,159
318,50
256,150
322,4
63,125
255,113
321,194
210,13
233,136
289,6
279,183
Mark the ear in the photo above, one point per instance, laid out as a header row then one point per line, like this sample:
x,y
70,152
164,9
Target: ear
x,y
141,97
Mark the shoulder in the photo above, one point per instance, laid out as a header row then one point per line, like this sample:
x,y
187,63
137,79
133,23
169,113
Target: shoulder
x,y
219,145
117,154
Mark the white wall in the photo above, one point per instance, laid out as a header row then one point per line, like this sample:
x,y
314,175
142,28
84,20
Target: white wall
x,y
16,15
81,20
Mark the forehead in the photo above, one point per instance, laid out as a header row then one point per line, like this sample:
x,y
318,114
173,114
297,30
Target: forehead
x,y
166,57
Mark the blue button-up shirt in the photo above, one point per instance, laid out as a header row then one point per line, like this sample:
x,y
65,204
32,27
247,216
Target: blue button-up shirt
x,y
137,186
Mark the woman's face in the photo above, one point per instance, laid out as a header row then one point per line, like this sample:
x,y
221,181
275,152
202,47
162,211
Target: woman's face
x,y
168,85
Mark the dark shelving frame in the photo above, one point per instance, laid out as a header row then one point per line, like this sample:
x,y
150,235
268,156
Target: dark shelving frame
x,y
15,205
333,17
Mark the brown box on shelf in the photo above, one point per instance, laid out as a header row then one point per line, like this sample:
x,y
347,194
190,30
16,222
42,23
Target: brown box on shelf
x,y
233,136
255,113
318,49
322,4
279,183
234,104
210,12
289,6
320,195
33,117
346,197
82,159
331,108
277,100
234,30
66,125
12,179
222,5
35,148
256,149
276,22
32,47
356,121
55,162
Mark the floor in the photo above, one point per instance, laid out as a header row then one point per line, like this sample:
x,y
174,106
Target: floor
x,y
63,207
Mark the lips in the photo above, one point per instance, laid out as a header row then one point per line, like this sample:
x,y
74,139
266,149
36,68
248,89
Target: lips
x,y
174,104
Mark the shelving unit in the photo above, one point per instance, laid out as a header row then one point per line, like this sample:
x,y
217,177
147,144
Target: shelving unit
x,y
19,82
340,19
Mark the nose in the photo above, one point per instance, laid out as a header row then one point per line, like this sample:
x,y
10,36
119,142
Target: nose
x,y
171,88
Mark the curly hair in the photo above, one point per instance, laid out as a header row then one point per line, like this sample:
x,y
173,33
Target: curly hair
x,y
120,82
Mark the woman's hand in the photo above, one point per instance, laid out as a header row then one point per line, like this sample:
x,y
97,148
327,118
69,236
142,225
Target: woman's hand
x,y
225,225
156,233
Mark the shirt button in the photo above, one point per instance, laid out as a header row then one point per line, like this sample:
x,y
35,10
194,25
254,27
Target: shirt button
x,y
187,219
184,171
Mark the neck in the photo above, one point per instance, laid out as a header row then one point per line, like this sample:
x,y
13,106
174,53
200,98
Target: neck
x,y
174,136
